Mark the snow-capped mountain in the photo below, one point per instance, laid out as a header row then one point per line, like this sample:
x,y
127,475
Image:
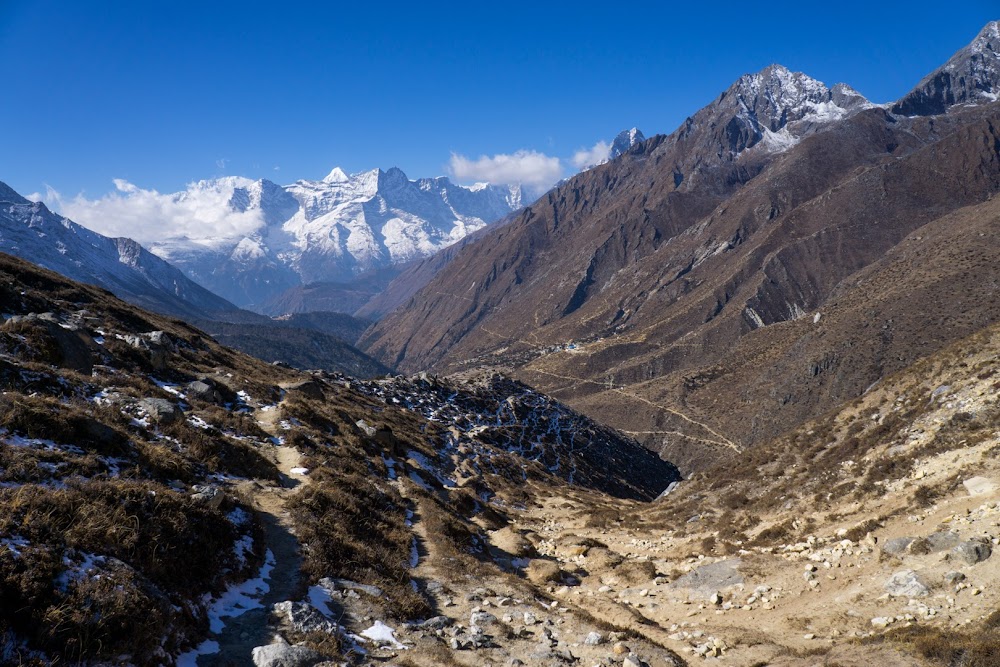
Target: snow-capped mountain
x,y
31,231
625,140
971,76
332,229
777,107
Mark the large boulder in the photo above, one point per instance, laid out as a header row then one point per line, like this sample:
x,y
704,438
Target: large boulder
x,y
160,410
906,583
303,618
203,390
973,551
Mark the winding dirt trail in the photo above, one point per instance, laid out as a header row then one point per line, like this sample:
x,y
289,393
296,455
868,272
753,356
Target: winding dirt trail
x,y
253,628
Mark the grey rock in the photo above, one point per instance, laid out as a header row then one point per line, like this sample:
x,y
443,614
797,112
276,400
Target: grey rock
x,y
953,577
348,585
942,540
211,496
160,338
303,618
973,551
435,623
710,578
366,428
594,639
283,655
203,391
482,618
160,410
906,583
897,546
979,486
308,388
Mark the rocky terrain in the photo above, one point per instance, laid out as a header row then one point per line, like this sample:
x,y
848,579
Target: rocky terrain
x,y
789,305
317,507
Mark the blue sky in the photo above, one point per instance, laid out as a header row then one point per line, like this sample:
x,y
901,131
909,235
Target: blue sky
x,y
160,94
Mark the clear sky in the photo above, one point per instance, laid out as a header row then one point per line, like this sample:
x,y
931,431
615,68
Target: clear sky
x,y
164,93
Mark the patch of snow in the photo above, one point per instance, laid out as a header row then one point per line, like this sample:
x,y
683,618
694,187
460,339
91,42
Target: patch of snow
x,y
299,471
241,548
238,517
320,598
190,659
382,634
241,597
418,480
14,544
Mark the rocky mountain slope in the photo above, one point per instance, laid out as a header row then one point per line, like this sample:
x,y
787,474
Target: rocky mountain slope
x,y
636,290
255,513
330,230
32,231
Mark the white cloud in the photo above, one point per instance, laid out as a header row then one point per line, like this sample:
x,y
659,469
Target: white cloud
x,y
534,170
35,197
588,157
201,213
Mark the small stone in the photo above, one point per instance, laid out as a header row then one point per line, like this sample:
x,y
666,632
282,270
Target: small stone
x,y
594,639
631,661
620,649
953,577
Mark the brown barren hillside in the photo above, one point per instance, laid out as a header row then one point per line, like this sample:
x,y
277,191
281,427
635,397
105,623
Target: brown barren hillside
x,y
637,290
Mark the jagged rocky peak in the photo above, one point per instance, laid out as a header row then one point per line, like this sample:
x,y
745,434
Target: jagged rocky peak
x,y
7,194
625,140
271,199
971,76
777,107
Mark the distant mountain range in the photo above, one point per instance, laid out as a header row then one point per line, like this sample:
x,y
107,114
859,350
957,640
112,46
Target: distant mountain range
x,y
786,247
331,230
31,231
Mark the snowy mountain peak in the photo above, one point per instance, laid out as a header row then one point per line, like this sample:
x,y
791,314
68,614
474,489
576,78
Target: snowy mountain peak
x,y
971,76
988,40
328,230
625,140
337,175
777,107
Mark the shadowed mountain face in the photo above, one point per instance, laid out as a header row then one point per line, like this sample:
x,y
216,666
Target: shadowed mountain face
x,y
971,76
673,291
